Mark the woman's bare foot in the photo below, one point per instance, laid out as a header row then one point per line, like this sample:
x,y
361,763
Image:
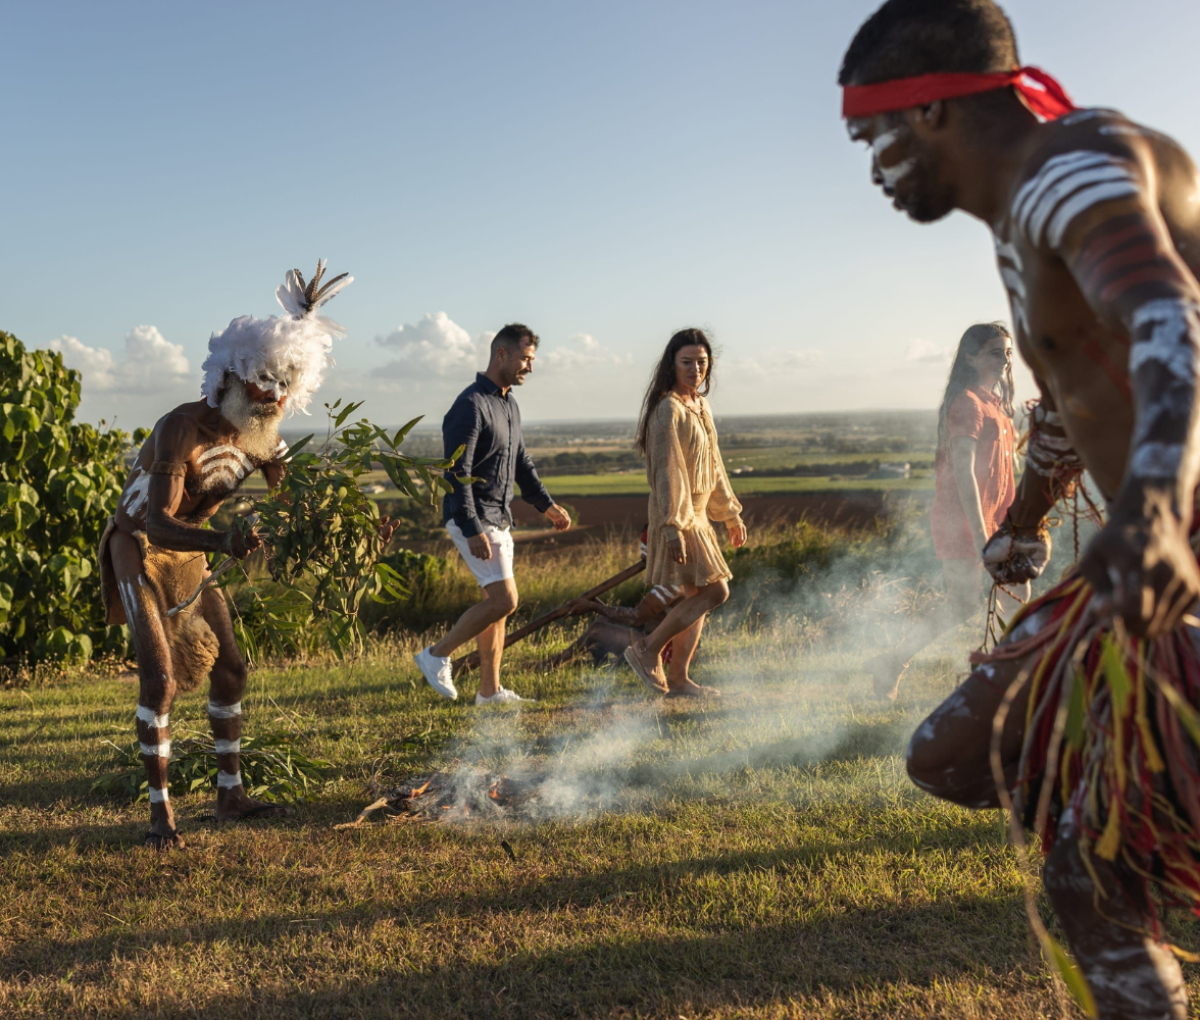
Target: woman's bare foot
x,y
690,689
233,805
648,668
886,674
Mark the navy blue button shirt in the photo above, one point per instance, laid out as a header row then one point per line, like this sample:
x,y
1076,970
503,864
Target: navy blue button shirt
x,y
487,424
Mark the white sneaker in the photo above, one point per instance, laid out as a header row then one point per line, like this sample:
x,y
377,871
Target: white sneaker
x,y
503,696
437,672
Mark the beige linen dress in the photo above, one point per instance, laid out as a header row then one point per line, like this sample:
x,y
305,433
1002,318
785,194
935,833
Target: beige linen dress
x,y
688,485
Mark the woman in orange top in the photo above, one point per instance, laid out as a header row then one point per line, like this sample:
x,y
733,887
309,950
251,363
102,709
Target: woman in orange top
x,y
974,486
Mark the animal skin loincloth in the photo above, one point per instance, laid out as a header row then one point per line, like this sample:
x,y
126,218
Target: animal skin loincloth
x,y
171,577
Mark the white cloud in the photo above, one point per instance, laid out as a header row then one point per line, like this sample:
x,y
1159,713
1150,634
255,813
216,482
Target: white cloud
x,y
585,353
147,363
435,347
775,363
925,352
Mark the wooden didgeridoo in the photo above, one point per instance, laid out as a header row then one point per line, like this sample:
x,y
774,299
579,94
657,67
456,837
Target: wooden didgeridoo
x,y
471,661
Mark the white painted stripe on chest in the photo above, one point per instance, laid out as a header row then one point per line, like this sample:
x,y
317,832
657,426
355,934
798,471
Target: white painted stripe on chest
x,y
226,450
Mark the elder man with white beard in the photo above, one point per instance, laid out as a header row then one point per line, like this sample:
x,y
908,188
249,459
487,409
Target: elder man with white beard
x,y
152,555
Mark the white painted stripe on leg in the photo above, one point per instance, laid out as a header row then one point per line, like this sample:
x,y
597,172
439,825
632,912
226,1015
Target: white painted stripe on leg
x,y
162,750
159,796
229,746
227,781
216,711
150,718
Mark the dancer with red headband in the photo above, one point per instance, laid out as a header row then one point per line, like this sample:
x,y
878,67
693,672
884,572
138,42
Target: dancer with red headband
x,y
1096,223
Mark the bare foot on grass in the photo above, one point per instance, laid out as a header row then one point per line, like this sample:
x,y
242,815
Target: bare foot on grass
x,y
690,689
234,806
163,838
886,674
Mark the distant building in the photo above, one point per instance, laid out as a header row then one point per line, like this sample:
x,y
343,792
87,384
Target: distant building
x,y
892,471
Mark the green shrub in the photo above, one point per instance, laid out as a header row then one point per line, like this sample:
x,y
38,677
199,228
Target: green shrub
x,y
59,481
271,769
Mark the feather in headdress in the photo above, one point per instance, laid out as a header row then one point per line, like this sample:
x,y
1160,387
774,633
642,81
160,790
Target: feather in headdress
x,y
291,350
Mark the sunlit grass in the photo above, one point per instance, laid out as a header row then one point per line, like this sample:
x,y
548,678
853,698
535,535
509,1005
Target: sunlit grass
x,y
760,856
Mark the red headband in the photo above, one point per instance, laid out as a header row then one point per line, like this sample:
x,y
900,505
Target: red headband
x,y
1045,97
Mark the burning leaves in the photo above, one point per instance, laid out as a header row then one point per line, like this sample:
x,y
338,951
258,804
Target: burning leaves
x,y
467,795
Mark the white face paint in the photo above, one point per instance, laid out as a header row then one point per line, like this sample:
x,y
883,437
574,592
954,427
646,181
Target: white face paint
x,y
891,174
216,711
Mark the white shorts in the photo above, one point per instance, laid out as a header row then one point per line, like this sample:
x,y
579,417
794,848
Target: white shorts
x,y
499,567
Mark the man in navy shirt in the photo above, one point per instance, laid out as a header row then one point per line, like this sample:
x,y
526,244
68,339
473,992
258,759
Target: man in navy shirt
x,y
486,422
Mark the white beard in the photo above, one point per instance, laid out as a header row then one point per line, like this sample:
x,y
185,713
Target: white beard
x,y
257,424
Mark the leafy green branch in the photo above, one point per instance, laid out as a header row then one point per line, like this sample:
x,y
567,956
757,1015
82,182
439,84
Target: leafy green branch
x,y
324,537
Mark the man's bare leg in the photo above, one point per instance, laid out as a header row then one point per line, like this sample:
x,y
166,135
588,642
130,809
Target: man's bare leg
x,y
491,650
949,755
499,601
964,581
227,684
1132,977
157,687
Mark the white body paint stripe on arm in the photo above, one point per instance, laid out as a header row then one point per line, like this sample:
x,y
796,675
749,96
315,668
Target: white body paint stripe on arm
x,y
216,711
1156,460
1065,187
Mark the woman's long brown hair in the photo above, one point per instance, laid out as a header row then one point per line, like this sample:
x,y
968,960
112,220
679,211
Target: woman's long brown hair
x,y
663,380
962,375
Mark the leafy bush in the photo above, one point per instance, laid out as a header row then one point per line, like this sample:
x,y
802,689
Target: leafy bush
x,y
321,538
59,481
271,769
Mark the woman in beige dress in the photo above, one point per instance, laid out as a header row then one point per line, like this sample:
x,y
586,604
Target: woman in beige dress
x,y
688,486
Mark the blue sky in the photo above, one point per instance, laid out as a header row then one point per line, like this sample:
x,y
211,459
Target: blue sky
x,y
605,172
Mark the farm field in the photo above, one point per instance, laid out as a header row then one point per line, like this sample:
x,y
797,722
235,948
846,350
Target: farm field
x,y
746,485
763,855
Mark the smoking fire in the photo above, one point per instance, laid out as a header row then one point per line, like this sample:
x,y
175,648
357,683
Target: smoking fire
x,y
456,797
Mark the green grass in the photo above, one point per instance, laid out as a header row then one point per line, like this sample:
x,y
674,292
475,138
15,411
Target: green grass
x,y
761,856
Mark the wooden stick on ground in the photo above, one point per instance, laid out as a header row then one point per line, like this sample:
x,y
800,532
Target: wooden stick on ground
x,y
471,661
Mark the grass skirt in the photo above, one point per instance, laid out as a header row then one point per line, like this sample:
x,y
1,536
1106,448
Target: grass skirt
x,y
1111,725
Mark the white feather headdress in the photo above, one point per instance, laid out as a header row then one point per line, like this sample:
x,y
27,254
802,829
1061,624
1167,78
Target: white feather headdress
x,y
281,354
